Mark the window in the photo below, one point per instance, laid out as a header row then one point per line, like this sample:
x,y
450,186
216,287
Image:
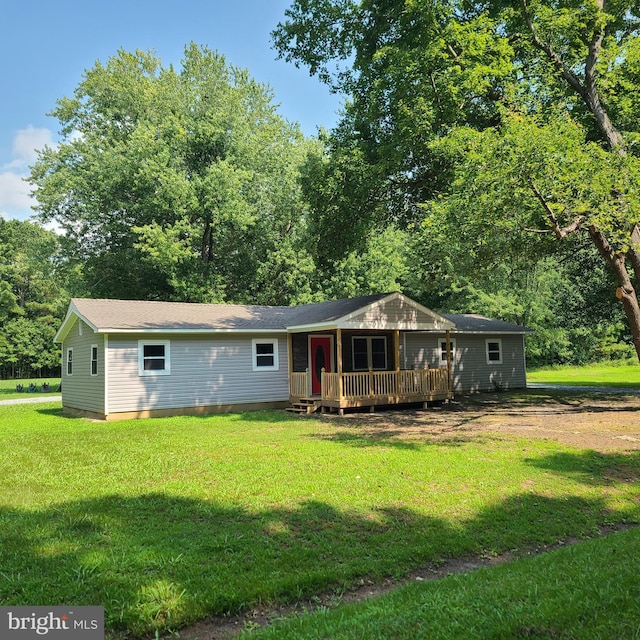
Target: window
x,y
360,354
94,359
369,352
443,350
265,354
153,358
69,362
494,351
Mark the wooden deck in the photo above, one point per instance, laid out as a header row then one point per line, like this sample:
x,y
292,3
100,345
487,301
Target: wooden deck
x,y
374,388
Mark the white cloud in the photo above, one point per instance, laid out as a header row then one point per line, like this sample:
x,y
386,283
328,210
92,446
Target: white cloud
x,y
28,140
14,191
15,197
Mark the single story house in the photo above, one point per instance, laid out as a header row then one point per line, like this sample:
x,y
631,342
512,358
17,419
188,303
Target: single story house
x,y
130,358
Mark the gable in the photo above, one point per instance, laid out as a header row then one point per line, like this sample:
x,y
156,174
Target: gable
x,y
386,312
396,312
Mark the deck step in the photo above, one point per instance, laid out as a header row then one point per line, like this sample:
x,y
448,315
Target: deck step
x,y
305,406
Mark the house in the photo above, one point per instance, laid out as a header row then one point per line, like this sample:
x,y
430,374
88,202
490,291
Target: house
x,y
128,358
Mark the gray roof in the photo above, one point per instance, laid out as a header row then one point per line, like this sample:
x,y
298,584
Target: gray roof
x,y
470,322
106,315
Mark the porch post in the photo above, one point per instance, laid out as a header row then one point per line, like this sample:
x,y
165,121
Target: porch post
x,y
396,357
448,338
396,353
339,361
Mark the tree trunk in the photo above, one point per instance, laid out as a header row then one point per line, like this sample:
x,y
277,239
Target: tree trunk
x,y
634,252
626,292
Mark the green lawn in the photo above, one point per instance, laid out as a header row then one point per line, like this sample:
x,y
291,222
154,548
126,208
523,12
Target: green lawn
x,y
8,388
588,591
601,375
167,521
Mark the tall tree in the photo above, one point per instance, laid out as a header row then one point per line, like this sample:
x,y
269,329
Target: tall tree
x,y
32,299
174,184
525,72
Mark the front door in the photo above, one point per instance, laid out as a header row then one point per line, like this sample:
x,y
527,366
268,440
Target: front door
x,y
320,358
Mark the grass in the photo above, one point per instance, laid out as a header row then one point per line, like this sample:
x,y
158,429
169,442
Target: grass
x,y
8,388
600,375
168,521
588,591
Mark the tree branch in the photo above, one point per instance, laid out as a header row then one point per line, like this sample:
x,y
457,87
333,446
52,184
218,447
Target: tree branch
x,y
611,134
634,252
553,56
561,232
588,90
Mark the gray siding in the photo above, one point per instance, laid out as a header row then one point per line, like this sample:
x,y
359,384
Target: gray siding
x,y
205,371
81,390
470,373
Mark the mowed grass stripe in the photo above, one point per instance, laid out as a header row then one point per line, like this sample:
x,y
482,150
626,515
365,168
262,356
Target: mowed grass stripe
x,y
589,591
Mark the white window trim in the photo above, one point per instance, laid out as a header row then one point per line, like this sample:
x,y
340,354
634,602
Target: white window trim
x,y
69,361
167,358
254,354
441,352
93,346
499,341
370,353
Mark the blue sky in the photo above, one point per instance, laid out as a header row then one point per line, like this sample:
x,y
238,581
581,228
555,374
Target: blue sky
x,y
45,46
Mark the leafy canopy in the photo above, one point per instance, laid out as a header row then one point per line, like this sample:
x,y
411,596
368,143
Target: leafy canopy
x,y
174,183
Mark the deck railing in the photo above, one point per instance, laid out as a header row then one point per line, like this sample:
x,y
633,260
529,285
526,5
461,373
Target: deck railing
x,y
299,384
414,383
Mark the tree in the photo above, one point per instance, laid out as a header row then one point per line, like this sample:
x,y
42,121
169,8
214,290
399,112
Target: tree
x,y
33,299
559,80
173,184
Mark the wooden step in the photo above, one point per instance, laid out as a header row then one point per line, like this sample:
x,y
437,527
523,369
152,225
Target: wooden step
x,y
305,406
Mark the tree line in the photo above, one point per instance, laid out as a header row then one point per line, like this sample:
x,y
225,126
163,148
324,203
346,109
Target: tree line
x,y
485,162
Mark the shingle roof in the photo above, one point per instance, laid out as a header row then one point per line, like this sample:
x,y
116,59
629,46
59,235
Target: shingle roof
x,y
122,315
476,323
138,315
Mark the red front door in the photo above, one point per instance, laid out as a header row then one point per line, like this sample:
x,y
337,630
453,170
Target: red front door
x,y
320,350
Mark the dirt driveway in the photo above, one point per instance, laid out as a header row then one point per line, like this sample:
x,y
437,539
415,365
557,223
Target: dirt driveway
x,y
598,421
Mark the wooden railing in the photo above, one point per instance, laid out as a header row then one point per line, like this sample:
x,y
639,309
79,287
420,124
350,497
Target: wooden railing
x,y
416,383
299,384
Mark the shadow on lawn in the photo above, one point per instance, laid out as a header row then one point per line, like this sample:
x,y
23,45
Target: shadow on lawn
x,y
161,561
531,399
592,467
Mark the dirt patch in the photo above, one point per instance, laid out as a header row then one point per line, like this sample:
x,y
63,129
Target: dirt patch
x,y
601,422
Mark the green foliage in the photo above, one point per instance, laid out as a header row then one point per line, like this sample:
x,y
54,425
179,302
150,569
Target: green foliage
x,y
173,183
32,299
381,265
490,131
